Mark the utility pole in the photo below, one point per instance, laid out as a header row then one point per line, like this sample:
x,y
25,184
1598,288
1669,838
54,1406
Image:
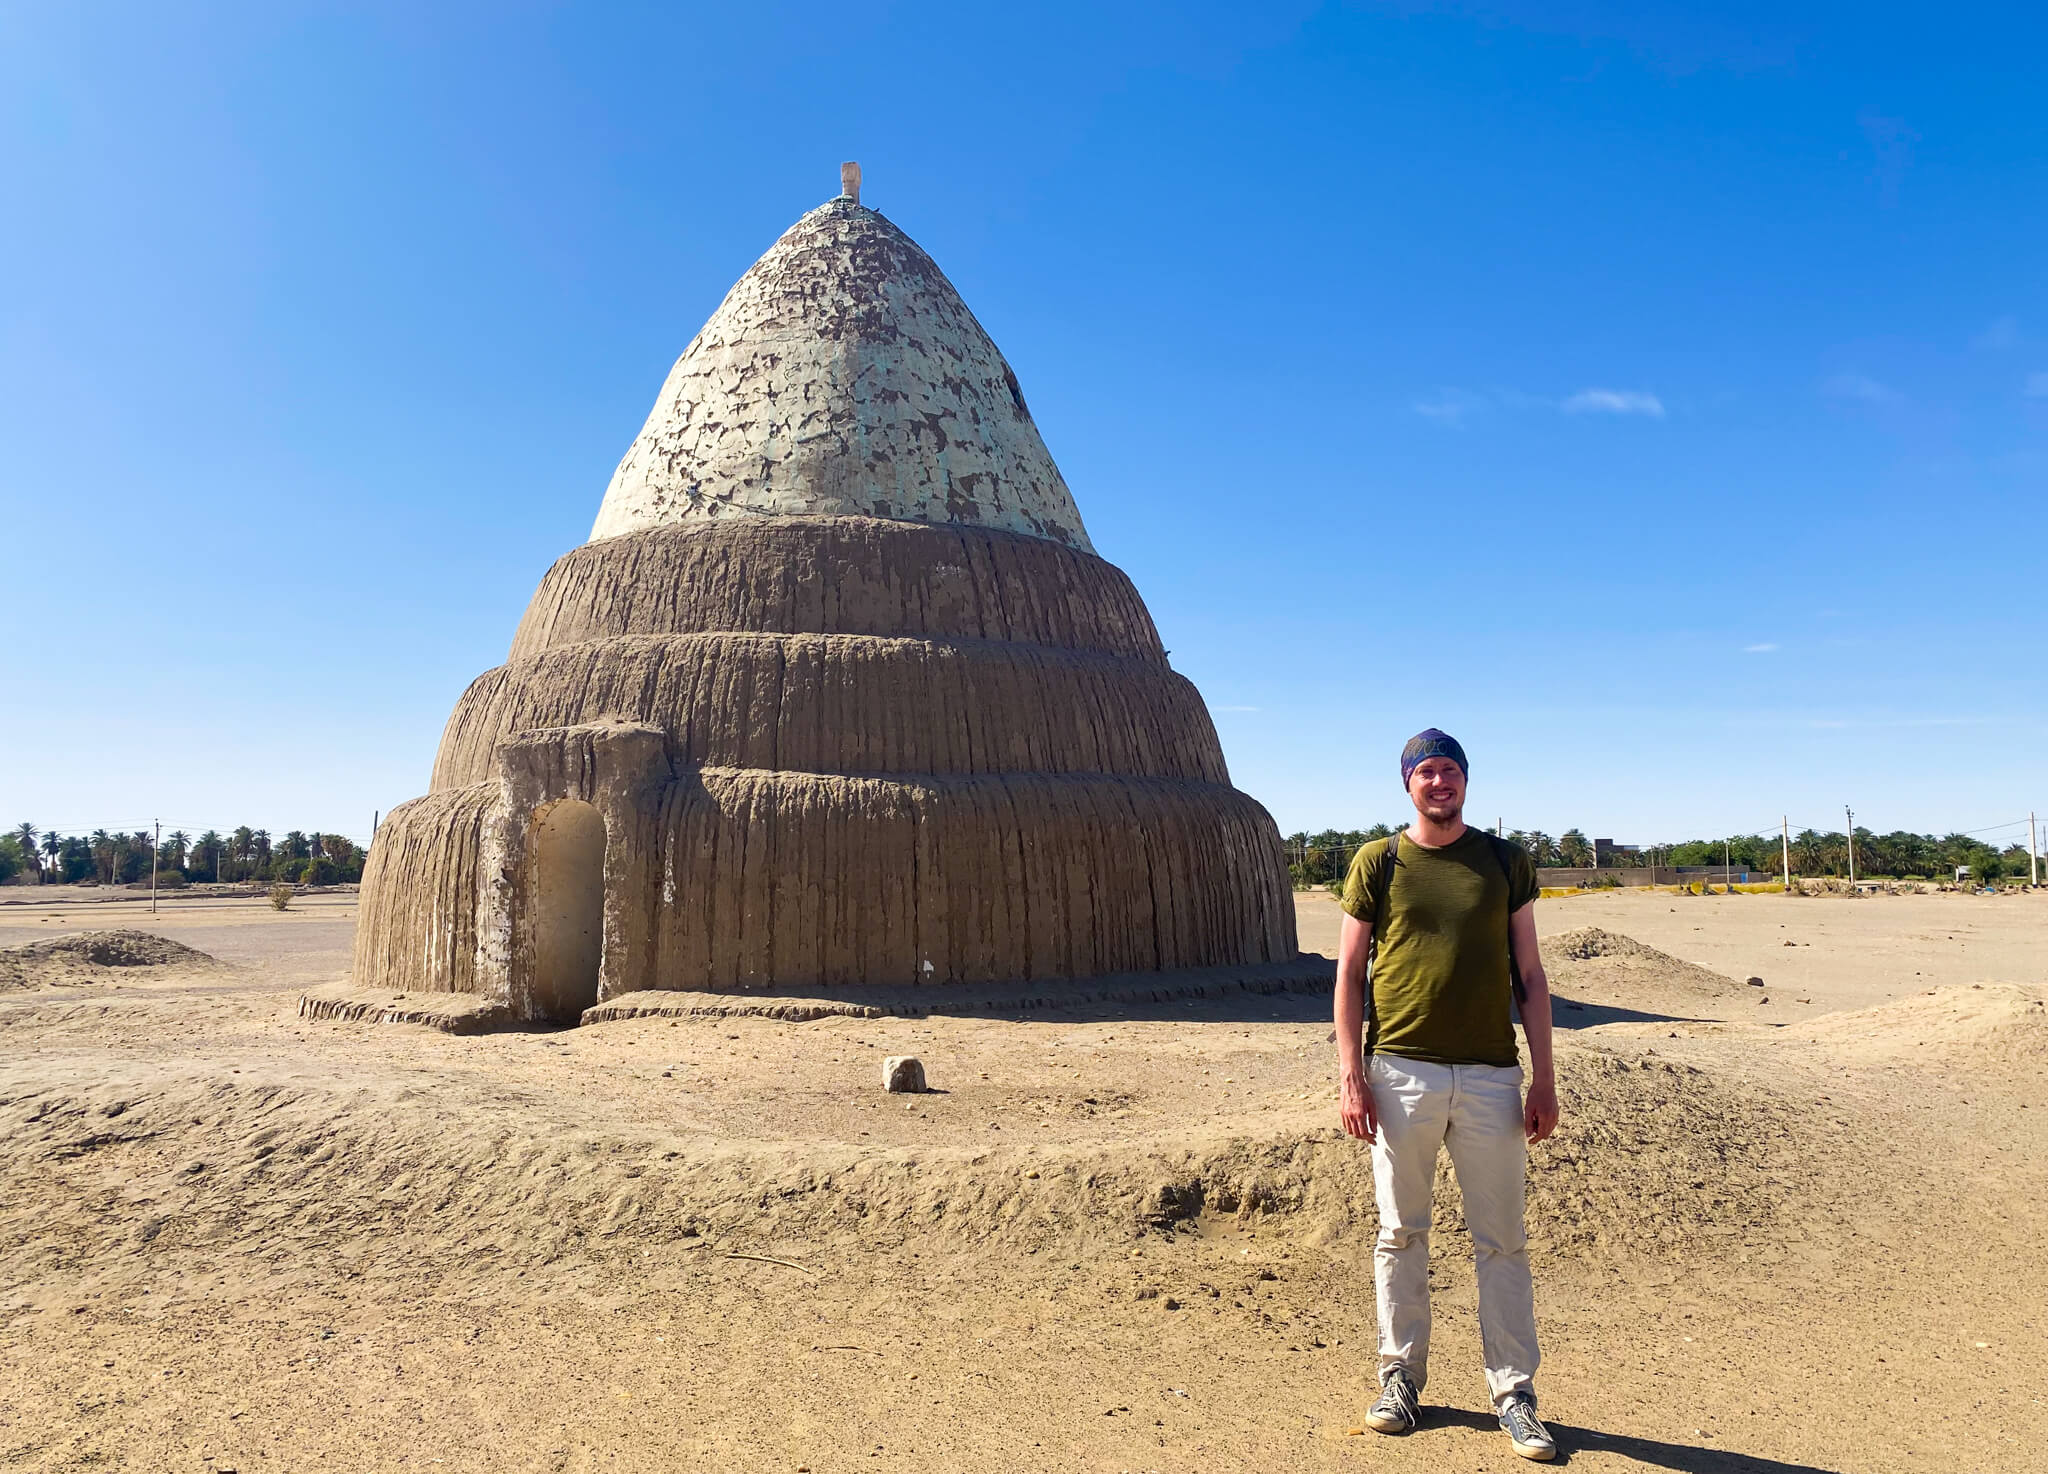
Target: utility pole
x,y
2033,853
1727,867
1852,845
1785,836
155,848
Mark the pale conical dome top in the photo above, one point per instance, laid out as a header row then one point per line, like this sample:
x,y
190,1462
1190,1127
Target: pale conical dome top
x,y
842,375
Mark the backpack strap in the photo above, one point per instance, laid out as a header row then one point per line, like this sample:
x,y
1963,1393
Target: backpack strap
x,y
1383,886
1389,858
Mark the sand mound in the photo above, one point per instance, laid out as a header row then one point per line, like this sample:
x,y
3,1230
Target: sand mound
x,y
1656,1158
1984,1024
112,949
1592,966
1660,1157
1593,941
91,957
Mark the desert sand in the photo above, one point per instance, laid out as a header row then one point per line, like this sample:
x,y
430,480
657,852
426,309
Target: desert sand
x,y
1789,1228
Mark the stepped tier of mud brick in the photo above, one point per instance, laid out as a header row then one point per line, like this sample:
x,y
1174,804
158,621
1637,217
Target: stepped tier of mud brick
x,y
740,879
838,575
838,698
851,704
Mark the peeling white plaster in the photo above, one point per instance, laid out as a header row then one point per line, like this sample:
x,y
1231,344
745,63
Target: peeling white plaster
x,y
842,375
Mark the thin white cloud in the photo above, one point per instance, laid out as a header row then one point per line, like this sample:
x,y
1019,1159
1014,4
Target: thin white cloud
x,y
1763,649
2037,385
1454,408
1888,723
2004,332
1861,388
1450,407
1615,402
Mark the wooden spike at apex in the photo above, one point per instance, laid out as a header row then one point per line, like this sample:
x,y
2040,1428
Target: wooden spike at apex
x,y
849,181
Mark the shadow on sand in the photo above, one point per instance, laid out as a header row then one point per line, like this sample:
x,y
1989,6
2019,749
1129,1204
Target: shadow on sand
x,y
1295,992
1651,1453
1569,1013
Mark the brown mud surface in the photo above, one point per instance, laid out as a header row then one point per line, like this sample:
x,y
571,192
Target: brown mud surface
x,y
1770,1237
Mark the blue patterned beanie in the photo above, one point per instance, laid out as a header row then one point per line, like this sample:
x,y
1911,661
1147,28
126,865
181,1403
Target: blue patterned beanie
x,y
1431,743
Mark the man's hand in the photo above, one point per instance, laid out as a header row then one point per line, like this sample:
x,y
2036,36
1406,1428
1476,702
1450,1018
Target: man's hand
x,y
1354,1105
1539,1111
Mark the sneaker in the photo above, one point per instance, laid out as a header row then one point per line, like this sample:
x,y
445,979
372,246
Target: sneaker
x,y
1399,1408
1525,1430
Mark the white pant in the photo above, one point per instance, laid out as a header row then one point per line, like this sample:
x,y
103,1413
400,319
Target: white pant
x,y
1476,1111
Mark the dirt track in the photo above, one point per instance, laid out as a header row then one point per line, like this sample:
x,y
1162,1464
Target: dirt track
x,y
1770,1237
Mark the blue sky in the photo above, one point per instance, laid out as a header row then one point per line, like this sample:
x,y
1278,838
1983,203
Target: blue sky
x,y
1655,398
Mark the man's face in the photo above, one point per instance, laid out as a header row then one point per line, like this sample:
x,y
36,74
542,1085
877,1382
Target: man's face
x,y
1437,789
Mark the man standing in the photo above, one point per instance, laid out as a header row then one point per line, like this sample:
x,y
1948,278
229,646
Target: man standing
x,y
1446,916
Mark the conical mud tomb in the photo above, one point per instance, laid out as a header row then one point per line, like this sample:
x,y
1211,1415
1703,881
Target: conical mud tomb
x,y
836,699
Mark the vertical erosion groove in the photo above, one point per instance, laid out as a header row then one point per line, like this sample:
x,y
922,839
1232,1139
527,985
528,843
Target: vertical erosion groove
x,y
416,928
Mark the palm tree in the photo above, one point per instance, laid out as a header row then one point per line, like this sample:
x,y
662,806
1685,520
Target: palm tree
x,y
1539,846
178,841
210,843
137,846
1808,848
1573,849
26,833
102,845
53,846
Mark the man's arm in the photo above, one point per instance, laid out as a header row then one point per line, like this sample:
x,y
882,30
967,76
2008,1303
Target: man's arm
x,y
1539,1111
1354,1097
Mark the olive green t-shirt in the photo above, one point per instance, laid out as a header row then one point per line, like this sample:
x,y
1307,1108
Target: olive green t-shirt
x,y
1441,989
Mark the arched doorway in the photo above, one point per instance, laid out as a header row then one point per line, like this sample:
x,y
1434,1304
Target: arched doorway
x,y
568,907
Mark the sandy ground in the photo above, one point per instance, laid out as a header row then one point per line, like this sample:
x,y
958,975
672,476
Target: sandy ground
x,y
1802,1234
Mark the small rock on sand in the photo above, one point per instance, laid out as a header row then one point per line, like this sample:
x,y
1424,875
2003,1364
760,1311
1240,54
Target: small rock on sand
x,y
903,1074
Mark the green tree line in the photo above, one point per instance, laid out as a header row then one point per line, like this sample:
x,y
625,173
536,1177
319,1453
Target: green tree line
x,y
1317,859
111,857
